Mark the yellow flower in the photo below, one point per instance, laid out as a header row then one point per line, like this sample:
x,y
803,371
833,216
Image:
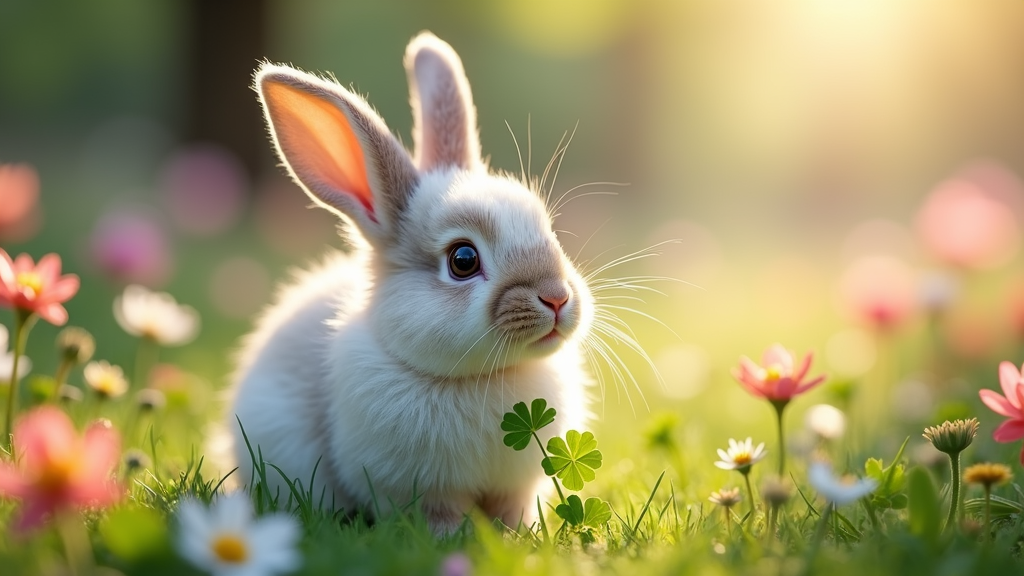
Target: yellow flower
x,y
987,474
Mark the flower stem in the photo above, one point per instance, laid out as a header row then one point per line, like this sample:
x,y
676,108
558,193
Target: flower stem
x,y
728,520
146,356
750,491
76,545
554,480
954,490
23,321
989,536
819,536
60,376
780,406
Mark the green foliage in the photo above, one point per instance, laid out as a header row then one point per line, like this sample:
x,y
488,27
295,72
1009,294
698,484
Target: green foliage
x,y
134,533
925,506
522,423
573,460
891,480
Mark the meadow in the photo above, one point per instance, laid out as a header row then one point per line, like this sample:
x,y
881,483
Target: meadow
x,y
805,222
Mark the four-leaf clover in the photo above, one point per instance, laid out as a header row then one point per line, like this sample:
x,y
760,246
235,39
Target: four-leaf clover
x,y
592,513
522,423
573,460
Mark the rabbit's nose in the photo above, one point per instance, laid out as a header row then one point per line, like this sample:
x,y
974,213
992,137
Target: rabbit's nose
x,y
554,295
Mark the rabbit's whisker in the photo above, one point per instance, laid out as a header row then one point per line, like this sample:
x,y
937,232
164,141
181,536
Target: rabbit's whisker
x,y
522,170
547,169
470,349
558,167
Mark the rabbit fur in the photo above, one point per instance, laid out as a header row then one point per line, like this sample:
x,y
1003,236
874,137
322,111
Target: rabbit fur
x,y
381,369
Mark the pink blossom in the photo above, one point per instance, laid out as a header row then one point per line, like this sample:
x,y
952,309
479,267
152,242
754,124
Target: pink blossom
x,y
204,187
1011,405
880,291
57,469
37,288
131,247
967,225
19,199
778,378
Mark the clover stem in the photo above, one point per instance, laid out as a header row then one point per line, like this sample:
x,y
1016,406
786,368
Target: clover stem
x,y
553,479
23,321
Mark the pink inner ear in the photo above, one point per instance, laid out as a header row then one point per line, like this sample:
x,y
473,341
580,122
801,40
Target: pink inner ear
x,y
318,141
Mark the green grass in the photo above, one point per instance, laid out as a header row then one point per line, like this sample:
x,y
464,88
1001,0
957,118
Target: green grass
x,y
658,525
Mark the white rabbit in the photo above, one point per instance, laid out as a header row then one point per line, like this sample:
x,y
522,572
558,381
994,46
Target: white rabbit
x,y
391,367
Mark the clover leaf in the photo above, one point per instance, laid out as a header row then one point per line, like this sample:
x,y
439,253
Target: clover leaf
x,y
573,459
523,422
592,513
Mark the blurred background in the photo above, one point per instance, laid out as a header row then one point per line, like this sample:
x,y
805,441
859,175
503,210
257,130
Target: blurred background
x,y
841,177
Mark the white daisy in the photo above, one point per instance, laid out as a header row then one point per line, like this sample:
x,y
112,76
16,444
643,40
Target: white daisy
x,y
826,421
225,540
838,490
155,315
7,360
105,379
741,455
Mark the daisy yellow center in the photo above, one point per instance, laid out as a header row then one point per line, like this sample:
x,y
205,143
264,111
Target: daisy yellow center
x,y
30,280
230,548
108,384
742,458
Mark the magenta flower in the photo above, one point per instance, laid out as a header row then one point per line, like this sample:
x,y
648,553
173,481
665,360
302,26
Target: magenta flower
x,y
1011,405
778,378
131,247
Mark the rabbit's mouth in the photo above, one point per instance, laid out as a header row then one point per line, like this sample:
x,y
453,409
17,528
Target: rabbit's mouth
x,y
548,342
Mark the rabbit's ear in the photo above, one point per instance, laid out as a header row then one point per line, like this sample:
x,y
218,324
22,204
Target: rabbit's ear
x,y
444,119
337,148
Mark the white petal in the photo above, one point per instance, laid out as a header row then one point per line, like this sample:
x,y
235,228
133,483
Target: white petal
x,y
3,338
726,465
724,455
233,512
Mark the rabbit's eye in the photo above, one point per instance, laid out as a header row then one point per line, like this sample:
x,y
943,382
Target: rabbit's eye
x,y
463,261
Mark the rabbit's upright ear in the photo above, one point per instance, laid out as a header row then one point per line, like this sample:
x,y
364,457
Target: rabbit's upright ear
x,y
444,119
337,148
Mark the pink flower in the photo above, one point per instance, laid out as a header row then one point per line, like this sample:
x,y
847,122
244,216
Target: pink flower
x,y
1011,405
879,291
131,247
776,380
19,201
57,469
968,225
37,288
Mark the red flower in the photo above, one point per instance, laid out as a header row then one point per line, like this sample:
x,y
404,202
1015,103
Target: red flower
x,y
776,379
1011,405
57,469
37,288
